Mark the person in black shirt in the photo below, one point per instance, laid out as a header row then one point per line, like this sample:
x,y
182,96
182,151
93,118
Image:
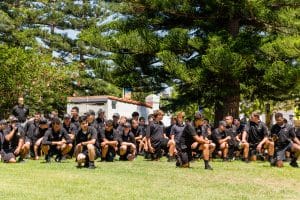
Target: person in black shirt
x,y
137,132
13,144
177,129
37,136
285,139
70,127
235,145
101,118
116,118
85,151
188,136
143,128
220,139
91,119
135,116
157,139
75,116
21,111
256,134
108,141
56,141
169,128
127,143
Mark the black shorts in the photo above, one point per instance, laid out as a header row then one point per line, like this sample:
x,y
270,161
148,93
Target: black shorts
x,y
280,153
183,156
6,156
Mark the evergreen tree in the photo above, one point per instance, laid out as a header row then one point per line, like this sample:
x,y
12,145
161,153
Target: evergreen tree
x,y
213,52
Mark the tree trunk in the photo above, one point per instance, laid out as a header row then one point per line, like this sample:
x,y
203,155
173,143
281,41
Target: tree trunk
x,y
230,103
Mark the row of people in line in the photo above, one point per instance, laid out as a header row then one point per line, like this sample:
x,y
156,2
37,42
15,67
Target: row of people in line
x,y
88,137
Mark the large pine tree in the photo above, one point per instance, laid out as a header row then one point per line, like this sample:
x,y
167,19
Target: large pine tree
x,y
213,52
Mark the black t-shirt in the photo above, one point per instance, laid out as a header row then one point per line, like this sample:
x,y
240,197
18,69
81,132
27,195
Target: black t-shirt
x,y
297,132
168,130
75,122
202,131
187,137
1,140
143,130
84,136
177,130
71,129
52,136
109,135
100,122
20,112
285,134
256,132
136,131
14,142
218,135
126,138
155,131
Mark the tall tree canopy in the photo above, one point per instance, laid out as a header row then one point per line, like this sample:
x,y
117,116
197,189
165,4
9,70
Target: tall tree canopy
x,y
213,52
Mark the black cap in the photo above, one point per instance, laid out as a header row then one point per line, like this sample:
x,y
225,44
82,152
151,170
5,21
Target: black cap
x,y
67,116
127,125
100,111
116,115
198,115
43,121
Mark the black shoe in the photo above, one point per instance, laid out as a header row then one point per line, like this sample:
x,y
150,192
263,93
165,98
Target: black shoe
x,y
21,160
91,165
58,158
294,164
272,162
246,160
208,167
225,159
48,158
171,159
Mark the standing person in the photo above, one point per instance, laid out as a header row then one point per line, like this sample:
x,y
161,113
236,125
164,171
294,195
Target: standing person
x,y
157,139
21,111
183,147
256,134
85,151
13,143
285,139
75,116
56,141
101,118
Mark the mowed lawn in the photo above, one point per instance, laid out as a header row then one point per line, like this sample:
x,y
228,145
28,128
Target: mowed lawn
x,y
142,179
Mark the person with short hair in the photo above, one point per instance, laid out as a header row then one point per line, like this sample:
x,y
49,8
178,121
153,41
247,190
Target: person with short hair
x,y
56,141
13,144
137,132
85,150
221,140
21,111
257,135
203,132
108,139
184,145
177,129
75,116
127,143
70,127
285,139
135,116
157,139
101,118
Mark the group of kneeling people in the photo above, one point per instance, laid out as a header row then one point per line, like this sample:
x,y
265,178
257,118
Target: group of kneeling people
x,y
88,137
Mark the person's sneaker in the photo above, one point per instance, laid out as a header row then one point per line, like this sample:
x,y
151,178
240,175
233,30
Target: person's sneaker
x,y
208,167
47,158
91,165
58,158
130,157
21,160
246,160
272,162
225,159
294,164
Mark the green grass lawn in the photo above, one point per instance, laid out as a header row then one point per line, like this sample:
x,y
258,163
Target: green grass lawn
x,y
142,179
